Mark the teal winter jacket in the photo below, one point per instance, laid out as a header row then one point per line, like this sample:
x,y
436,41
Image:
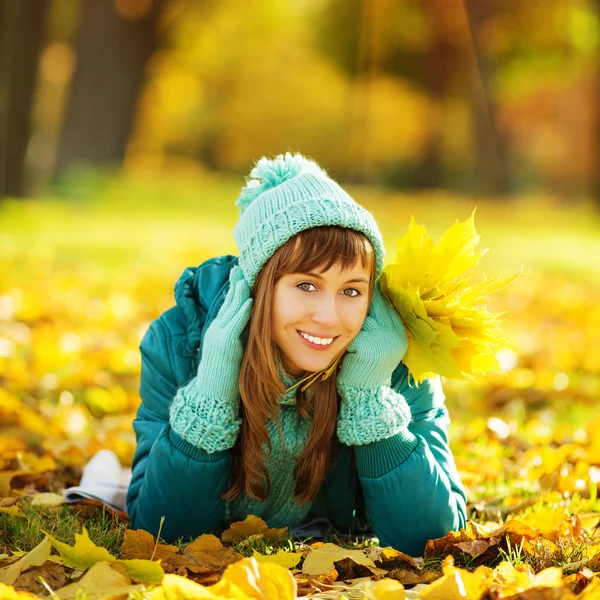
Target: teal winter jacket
x,y
406,494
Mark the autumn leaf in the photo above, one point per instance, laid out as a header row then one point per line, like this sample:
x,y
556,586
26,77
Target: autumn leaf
x,y
205,555
103,580
257,580
384,589
9,593
282,558
251,525
37,557
141,544
322,560
450,332
458,584
13,511
245,580
47,499
85,554
53,574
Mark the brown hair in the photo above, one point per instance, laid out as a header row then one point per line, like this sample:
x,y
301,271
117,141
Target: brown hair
x,y
318,248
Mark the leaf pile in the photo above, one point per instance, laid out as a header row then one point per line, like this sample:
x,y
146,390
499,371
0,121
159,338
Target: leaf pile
x,y
526,442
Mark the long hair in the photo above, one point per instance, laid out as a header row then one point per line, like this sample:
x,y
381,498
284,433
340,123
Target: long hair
x,y
318,248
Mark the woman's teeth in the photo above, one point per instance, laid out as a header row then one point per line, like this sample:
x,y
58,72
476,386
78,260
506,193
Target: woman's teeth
x,y
316,340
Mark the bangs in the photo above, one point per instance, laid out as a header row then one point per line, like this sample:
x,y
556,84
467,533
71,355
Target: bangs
x,y
319,248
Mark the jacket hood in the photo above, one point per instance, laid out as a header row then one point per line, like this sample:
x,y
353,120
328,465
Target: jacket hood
x,y
200,292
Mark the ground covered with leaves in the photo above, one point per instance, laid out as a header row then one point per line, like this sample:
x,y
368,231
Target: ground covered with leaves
x,y
80,284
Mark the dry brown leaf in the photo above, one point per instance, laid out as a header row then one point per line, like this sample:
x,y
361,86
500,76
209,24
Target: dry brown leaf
x,y
391,558
411,577
476,548
53,574
6,478
36,558
476,542
251,525
141,544
9,501
205,555
349,569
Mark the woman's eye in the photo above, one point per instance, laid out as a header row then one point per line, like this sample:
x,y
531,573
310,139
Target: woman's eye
x,y
304,283
352,290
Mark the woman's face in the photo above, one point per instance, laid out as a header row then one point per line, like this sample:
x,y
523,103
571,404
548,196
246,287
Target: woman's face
x,y
329,304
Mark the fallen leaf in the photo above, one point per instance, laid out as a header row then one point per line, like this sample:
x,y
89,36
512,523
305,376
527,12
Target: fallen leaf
x,y
101,581
85,554
53,574
205,555
13,511
458,584
256,580
174,587
141,544
8,501
284,559
9,593
411,577
251,525
37,557
6,478
47,499
322,560
384,589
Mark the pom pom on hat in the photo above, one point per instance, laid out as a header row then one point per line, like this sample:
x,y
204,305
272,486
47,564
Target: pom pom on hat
x,y
269,173
289,194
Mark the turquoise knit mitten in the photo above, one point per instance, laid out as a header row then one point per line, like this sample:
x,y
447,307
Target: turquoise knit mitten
x,y
370,410
205,412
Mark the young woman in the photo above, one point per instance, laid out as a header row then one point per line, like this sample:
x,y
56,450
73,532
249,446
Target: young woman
x,y
223,430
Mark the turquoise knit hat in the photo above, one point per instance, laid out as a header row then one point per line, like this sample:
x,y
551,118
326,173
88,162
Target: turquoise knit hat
x,y
286,195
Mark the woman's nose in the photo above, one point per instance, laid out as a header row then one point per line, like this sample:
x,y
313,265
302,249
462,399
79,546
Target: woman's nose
x,y
326,313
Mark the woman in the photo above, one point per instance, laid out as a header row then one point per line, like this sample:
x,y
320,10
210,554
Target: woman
x,y
227,426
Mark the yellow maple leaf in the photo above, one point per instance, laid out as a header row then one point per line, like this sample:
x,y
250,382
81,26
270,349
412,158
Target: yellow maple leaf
x,y
321,560
256,580
251,525
450,332
85,554
244,580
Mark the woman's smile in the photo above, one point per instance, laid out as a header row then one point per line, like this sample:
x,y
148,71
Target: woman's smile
x,y
317,342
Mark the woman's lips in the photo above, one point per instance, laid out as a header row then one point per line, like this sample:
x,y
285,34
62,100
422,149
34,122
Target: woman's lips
x,y
316,346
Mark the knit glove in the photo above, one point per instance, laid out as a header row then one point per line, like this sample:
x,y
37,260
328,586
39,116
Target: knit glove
x,y
370,410
205,412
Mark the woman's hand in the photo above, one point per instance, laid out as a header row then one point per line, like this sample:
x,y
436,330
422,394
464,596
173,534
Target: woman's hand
x,y
370,410
222,348
205,412
373,355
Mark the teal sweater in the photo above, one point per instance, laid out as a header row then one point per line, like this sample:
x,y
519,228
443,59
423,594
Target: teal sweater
x,y
405,487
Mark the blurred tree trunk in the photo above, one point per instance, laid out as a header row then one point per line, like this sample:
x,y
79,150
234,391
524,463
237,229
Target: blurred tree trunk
x,y
440,64
490,145
22,29
112,51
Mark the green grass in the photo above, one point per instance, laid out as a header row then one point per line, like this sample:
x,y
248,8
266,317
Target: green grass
x,y
108,221
62,522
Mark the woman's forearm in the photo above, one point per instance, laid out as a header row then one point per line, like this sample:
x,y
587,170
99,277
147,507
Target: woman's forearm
x,y
156,484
